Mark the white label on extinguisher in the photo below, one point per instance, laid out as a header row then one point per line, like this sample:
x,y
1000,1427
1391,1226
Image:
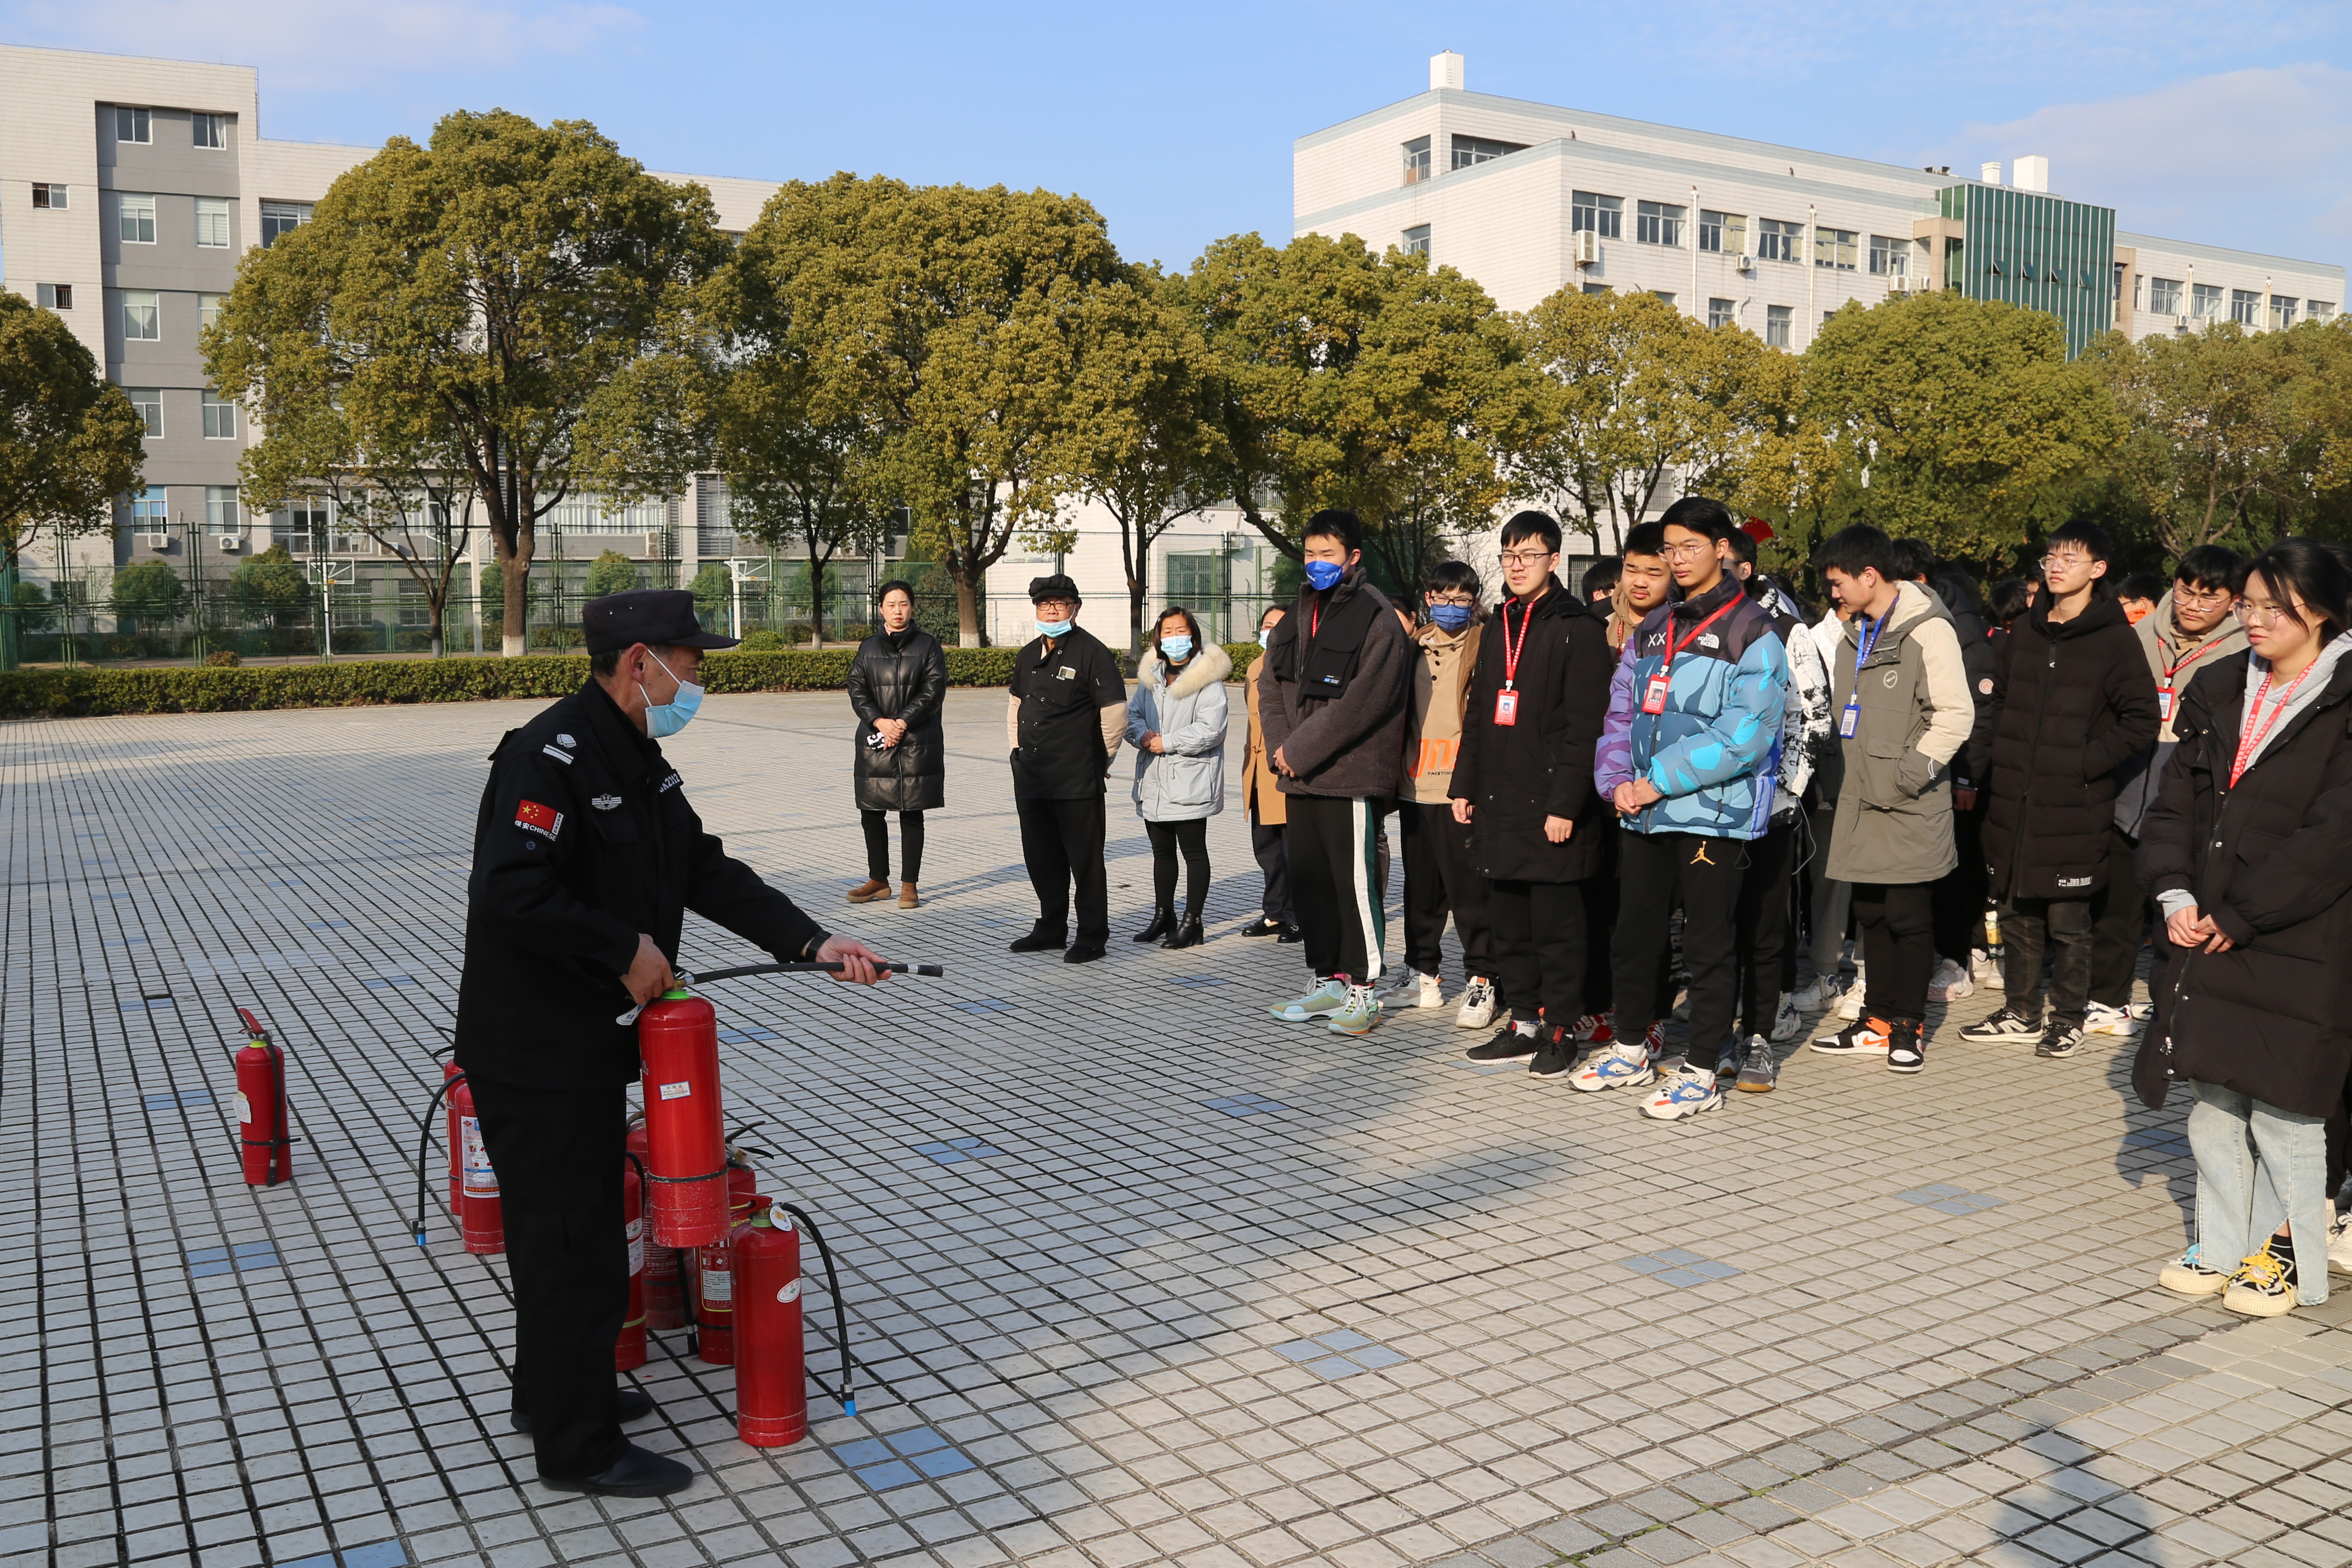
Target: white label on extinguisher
x,y
676,1090
790,1293
637,1247
718,1287
244,1111
480,1180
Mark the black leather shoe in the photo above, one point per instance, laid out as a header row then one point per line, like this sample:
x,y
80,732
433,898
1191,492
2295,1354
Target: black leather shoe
x,y
1188,935
1084,953
1038,942
1291,933
635,1405
637,1473
1161,924
1262,926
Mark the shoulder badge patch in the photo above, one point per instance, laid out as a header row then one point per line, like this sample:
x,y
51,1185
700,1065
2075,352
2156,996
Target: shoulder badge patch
x,y
606,802
559,756
533,818
565,740
669,784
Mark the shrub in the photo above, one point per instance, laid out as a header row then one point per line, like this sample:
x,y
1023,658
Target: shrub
x,y
762,642
1243,654
148,590
223,659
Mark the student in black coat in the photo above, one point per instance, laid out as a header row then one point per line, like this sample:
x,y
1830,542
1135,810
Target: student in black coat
x,y
2248,850
1523,784
898,684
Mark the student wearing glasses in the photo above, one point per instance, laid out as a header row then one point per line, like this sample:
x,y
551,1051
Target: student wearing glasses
x,y
2072,702
1439,877
2248,848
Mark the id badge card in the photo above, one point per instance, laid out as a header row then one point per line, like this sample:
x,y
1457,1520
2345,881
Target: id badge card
x,y
1849,719
1654,695
2164,704
1506,707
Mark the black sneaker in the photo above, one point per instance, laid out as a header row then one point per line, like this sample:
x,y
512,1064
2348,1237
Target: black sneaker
x,y
1906,1051
1509,1045
1262,926
1037,941
2062,1040
1555,1056
1083,953
1290,933
2008,1026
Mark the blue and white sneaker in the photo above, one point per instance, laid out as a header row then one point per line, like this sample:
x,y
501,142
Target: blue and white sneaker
x,y
1690,1091
1321,1002
1359,1014
1615,1068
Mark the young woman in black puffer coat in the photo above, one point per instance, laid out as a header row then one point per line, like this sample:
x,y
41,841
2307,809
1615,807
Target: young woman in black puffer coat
x,y
2248,849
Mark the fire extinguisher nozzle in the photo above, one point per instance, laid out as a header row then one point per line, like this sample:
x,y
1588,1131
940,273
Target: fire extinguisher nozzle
x,y
849,1407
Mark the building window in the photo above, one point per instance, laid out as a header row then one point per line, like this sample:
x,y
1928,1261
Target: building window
x,y
2282,310
1719,312
212,222
55,295
210,131
133,125
1834,248
151,513
2245,308
1775,324
1416,240
2164,296
220,417
140,315
1603,215
45,194
282,218
1659,223
1665,294
208,310
149,401
1725,232
1416,160
2204,301
1598,288
2318,310
138,219
1777,241
1889,257
308,518
220,509
1471,151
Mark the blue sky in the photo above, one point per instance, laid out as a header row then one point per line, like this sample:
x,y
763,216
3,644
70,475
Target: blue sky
x,y
2231,124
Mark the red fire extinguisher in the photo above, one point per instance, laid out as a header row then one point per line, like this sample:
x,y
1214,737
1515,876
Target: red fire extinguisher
x,y
714,1283
666,1269
686,1152
261,1116
478,1213
450,1074
629,1350
770,1373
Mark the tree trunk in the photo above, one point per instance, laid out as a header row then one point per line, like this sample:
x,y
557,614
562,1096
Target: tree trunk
x,y
816,595
967,607
514,571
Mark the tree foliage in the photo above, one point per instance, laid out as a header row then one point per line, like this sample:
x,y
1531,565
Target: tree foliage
x,y
71,441
269,587
610,572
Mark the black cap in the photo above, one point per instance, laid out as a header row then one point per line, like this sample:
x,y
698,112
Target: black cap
x,y
659,617
1058,586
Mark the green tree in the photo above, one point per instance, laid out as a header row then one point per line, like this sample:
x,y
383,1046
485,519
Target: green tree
x,y
269,587
714,593
147,591
507,307
35,611
70,441
1955,421
611,572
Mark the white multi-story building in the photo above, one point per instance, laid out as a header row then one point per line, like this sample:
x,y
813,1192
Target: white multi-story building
x,y
1529,198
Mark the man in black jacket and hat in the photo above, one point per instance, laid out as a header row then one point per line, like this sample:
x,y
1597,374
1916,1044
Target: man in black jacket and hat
x,y
586,857
1067,716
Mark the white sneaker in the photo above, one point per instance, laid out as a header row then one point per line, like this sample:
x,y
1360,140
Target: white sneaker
x,y
1615,1068
2339,1245
1415,989
1787,1025
2100,1019
1687,1093
1950,983
1850,1004
1815,994
1478,1005
1985,966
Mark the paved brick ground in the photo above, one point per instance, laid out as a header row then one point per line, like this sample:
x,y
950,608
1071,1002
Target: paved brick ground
x,y
1209,1289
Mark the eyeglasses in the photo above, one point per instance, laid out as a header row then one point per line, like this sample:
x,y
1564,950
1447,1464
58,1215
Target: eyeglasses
x,y
2064,562
1527,556
1456,597
2262,612
2211,598
1690,550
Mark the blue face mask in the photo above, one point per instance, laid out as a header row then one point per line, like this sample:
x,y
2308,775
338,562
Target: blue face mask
x,y
1266,637
670,717
1324,574
1056,630
1450,617
1176,650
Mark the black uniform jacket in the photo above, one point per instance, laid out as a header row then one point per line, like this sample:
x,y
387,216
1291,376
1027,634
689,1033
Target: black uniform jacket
x,y
585,840
1063,688
1540,765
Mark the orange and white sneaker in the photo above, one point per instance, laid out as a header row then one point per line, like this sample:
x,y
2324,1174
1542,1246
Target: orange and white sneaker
x,y
1864,1036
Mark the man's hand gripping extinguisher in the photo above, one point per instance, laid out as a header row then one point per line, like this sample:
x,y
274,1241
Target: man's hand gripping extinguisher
x,y
262,1122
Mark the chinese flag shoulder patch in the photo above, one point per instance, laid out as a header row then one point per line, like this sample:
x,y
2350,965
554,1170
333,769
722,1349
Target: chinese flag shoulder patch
x,y
533,818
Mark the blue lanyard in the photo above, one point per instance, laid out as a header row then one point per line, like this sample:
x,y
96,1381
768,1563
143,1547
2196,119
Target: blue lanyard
x,y
1864,641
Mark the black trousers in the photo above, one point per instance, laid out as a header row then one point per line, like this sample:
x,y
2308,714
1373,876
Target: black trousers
x,y
1598,892
877,843
1539,948
1898,948
1652,870
1063,842
2063,924
558,1156
1960,899
1334,882
1760,926
1266,843
1166,838
1439,879
2120,913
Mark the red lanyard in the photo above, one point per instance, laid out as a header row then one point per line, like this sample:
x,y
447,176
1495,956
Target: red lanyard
x,y
1674,647
2179,665
1510,649
2252,737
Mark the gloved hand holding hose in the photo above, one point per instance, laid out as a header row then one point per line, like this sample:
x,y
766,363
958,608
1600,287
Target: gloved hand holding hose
x,y
651,974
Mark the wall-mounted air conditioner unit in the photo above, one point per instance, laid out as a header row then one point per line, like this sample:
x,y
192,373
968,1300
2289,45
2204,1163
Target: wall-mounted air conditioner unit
x,y
1744,262
154,541
1587,247
2181,322
1898,284
653,542
231,543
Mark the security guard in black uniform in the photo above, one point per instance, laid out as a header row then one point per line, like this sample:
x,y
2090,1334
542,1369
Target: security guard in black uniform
x,y
1067,715
586,857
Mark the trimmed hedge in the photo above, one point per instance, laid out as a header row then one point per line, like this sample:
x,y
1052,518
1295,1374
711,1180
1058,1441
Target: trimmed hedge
x,y
88,693
1243,654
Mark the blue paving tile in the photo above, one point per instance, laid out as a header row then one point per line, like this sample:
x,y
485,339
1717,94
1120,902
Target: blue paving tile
x,y
985,1005
385,982
1342,1352
864,1451
1342,1339
323,1560
882,1478
1643,1265
942,1462
383,1554
1680,1278
2157,1138
915,1440
174,1101
1333,1367
206,1261
955,1151
1299,1349
1945,1198
1678,1267
1245,1105
744,1036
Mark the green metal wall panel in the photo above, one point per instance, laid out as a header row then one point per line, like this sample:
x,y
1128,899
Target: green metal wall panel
x,y
2039,251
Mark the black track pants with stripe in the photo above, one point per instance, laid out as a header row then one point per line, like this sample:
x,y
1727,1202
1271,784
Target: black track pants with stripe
x,y
1330,845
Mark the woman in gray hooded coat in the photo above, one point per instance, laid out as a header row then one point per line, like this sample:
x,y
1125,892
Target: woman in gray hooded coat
x,y
1176,719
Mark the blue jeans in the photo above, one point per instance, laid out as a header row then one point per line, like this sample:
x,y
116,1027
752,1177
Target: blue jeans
x,y
2256,1166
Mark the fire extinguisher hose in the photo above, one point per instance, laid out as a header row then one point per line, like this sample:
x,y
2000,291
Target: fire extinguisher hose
x,y
684,978
846,1397
425,1146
